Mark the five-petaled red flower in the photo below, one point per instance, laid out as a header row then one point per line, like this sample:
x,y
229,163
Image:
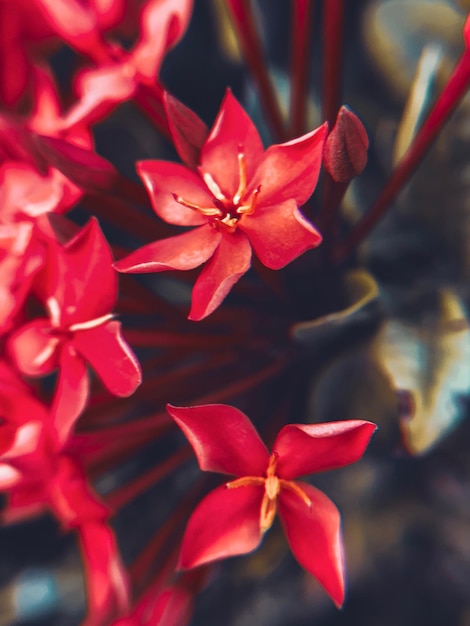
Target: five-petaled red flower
x,y
231,519
240,197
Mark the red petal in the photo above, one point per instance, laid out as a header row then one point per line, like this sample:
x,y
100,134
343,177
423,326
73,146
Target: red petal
x,y
314,536
24,191
71,497
231,260
46,113
99,91
68,16
163,180
225,523
9,476
109,12
71,394
112,359
73,22
173,607
183,252
308,448
223,438
15,67
188,131
163,23
279,234
33,349
466,32
21,257
105,575
290,171
232,130
24,502
85,282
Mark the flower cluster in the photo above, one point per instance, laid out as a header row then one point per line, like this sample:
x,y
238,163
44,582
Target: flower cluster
x,y
91,356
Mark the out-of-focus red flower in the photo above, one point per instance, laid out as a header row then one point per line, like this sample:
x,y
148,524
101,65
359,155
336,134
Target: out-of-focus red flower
x,y
79,289
231,519
29,187
24,30
241,197
172,607
21,257
21,429
81,23
119,73
37,473
107,584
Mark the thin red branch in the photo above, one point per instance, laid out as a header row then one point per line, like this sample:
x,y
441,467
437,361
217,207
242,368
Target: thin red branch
x,y
122,496
149,554
333,17
302,11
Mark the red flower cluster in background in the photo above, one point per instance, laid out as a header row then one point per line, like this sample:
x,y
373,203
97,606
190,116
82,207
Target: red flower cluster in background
x,y
76,401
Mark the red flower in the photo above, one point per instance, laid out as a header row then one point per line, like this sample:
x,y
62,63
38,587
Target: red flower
x,y
79,288
241,197
232,519
119,73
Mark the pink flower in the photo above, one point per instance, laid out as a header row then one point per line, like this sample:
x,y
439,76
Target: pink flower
x,y
231,519
240,197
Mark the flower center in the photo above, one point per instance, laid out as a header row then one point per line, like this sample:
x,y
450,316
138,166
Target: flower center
x,y
225,213
272,488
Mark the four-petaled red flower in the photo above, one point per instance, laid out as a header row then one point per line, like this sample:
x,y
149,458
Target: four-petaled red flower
x,y
240,197
231,519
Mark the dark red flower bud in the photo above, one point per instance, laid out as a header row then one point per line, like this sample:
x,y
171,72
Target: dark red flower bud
x,y
346,147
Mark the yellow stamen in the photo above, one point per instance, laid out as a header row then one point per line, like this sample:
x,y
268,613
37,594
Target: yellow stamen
x,y
246,481
209,211
291,486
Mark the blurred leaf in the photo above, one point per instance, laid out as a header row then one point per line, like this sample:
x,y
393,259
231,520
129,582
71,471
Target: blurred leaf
x,y
396,31
419,99
352,387
429,362
360,290
225,31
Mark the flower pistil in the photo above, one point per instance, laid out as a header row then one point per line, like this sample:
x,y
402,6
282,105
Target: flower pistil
x,y
272,488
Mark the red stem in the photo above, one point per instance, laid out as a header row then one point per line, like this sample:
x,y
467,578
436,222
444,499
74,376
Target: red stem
x,y
302,11
163,338
160,540
149,100
148,424
245,26
333,17
245,384
333,193
450,97
123,215
125,493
